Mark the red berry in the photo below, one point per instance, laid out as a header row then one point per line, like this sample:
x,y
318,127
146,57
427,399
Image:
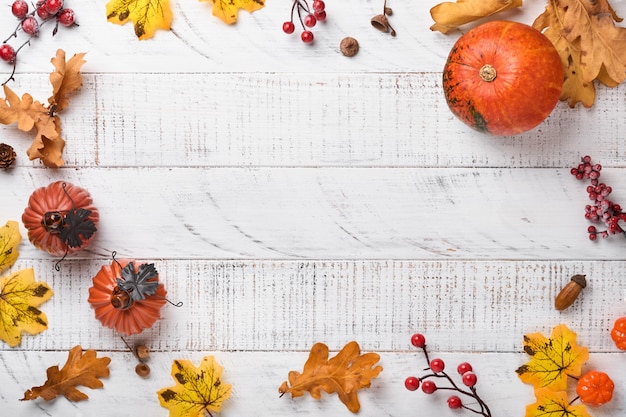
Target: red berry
x,y
53,6
19,8
318,6
469,378
310,21
30,25
7,53
412,383
418,340
428,387
320,16
454,402
42,12
66,17
307,36
437,365
463,367
288,27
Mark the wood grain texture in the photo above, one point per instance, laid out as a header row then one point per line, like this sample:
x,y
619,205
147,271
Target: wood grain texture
x,y
289,195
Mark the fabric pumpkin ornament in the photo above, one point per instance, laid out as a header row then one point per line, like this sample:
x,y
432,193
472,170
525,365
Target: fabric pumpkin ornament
x,y
127,296
60,218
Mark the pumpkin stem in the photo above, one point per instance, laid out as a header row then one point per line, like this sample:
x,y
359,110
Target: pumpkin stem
x,y
487,73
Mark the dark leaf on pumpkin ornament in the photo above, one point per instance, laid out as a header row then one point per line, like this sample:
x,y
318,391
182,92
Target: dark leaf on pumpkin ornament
x,y
139,284
345,374
77,227
80,369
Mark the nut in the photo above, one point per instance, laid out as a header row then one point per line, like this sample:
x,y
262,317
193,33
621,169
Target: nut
x,y
349,46
142,352
570,292
142,369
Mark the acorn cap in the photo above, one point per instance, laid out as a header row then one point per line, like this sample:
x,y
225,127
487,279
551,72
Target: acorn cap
x,y
580,280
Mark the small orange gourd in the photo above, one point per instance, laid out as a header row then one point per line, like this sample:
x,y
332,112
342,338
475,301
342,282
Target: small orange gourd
x,y
595,388
127,296
60,218
618,333
502,78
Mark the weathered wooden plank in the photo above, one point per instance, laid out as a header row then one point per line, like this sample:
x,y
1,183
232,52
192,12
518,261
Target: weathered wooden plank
x,y
198,41
305,120
469,306
334,213
255,377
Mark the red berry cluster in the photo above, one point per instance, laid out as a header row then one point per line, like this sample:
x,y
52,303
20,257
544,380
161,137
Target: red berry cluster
x,y
31,21
602,209
317,13
437,368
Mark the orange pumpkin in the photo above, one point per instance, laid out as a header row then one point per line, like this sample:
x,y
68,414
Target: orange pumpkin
x,y
503,78
618,333
595,388
60,218
127,297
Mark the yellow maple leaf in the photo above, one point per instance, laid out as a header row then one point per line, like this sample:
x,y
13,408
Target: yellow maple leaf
x,y
345,374
448,16
554,404
590,45
197,390
10,238
553,359
226,10
20,296
80,369
147,15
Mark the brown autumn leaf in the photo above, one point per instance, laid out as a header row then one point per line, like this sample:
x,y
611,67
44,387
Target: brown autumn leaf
x,y
448,16
345,374
80,369
591,46
28,113
66,78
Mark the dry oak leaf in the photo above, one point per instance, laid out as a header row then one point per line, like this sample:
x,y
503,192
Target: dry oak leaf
x,y
344,374
226,10
147,15
590,45
10,238
448,16
553,360
28,113
554,404
80,369
20,296
198,390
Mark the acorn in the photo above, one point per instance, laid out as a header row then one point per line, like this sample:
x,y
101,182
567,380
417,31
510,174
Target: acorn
x,y
570,292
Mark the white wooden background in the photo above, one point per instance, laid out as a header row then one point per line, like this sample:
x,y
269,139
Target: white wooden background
x,y
289,195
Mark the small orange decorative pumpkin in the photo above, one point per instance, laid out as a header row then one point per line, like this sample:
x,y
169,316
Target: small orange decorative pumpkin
x,y
127,297
618,333
503,78
60,218
595,388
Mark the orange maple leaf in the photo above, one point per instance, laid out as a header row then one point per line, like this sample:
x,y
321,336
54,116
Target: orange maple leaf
x,y
344,374
553,359
227,10
28,113
554,404
80,369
